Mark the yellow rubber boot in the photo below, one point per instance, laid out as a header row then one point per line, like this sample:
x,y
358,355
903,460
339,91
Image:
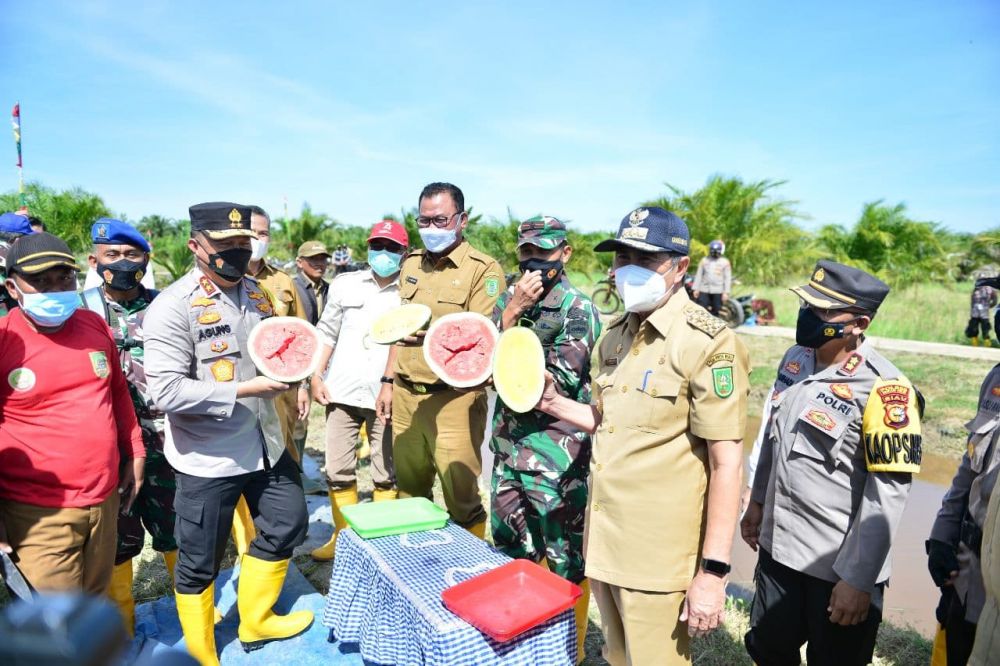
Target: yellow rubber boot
x,y
243,530
478,530
364,447
195,613
580,613
120,592
259,586
975,341
987,342
338,498
170,560
384,494
939,652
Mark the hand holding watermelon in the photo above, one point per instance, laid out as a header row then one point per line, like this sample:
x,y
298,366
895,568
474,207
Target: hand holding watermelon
x,y
260,387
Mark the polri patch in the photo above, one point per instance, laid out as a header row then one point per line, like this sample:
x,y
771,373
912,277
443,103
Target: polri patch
x,y
719,358
99,362
722,381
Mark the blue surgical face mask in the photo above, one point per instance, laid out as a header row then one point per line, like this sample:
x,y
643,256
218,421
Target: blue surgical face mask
x,y
50,309
383,262
437,240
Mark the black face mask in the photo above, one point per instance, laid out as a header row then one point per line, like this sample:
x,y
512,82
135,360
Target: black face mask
x,y
813,332
231,264
123,274
550,270
715,254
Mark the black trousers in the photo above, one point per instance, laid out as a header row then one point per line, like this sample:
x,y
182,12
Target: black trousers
x,y
789,609
975,325
205,508
960,635
711,302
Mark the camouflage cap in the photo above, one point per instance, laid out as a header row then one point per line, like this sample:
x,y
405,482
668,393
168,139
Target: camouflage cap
x,y
546,232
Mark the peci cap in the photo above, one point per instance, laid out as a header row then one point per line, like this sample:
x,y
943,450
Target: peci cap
x,y
649,230
221,219
390,230
39,252
544,231
313,248
109,231
835,286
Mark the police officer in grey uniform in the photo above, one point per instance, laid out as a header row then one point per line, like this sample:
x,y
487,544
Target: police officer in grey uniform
x,y
223,436
955,544
836,461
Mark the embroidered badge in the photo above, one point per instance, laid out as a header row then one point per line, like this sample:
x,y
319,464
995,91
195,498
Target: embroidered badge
x,y
218,346
637,216
842,391
108,276
722,381
851,365
265,308
207,285
719,358
235,219
996,390
202,302
892,437
492,285
793,367
819,275
223,370
102,231
895,398
99,362
256,295
821,419
209,317
21,379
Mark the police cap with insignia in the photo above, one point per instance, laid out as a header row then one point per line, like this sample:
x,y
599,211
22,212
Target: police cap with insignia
x,y
834,286
221,219
15,223
649,230
109,231
39,252
544,231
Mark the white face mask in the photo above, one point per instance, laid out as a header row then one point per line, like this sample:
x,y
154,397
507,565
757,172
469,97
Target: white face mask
x,y
640,288
437,240
258,248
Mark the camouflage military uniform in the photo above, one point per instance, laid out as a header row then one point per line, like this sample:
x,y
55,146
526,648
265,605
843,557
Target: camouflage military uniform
x,y
154,506
539,490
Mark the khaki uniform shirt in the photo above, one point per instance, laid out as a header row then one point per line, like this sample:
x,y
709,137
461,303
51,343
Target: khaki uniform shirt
x,y
196,352
970,491
465,280
664,386
831,507
279,286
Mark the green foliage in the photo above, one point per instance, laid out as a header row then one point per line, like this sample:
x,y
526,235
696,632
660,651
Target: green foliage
x,y
68,214
171,251
287,234
759,231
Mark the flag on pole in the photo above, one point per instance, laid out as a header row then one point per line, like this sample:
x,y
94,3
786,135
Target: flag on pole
x,y
17,132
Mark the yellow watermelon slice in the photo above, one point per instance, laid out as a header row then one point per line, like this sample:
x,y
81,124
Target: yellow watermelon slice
x,y
398,323
519,369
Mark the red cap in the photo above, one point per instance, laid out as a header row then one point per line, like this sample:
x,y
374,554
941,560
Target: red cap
x,y
391,230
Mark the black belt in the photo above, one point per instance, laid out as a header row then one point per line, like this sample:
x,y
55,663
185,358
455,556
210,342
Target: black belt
x,y
422,388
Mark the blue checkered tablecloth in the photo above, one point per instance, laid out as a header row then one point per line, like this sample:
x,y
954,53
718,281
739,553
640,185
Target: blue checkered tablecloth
x,y
385,595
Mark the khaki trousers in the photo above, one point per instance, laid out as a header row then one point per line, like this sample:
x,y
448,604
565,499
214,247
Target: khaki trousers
x,y
343,427
641,628
61,550
440,434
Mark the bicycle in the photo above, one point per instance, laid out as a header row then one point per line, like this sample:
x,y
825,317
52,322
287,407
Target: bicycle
x,y
605,296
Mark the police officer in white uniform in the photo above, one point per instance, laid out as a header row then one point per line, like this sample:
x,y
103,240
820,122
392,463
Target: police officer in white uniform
x,y
223,436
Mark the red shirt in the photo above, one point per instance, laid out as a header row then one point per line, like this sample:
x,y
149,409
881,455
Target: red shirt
x,y
66,417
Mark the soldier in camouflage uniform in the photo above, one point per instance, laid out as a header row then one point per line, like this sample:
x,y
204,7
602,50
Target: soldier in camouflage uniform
x,y
12,226
121,258
539,490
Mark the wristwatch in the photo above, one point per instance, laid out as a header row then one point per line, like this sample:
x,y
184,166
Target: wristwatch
x,y
386,380
715,567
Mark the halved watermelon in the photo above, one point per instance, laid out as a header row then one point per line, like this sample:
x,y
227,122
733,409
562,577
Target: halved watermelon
x,y
519,369
459,348
286,349
398,323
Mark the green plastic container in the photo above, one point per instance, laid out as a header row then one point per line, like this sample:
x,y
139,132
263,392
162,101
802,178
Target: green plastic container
x,y
378,519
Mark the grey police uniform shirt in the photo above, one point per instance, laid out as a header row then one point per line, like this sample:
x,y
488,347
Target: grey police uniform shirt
x,y
825,514
196,353
714,276
970,492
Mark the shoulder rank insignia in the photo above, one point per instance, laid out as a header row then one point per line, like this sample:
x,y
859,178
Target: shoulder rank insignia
x,y
207,285
265,308
224,370
851,364
202,302
891,428
699,318
842,391
218,346
256,295
209,317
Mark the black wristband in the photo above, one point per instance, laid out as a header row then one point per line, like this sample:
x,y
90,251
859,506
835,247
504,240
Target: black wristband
x,y
386,380
715,567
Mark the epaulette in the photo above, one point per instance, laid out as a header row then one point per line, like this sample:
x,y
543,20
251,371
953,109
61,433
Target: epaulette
x,y
700,318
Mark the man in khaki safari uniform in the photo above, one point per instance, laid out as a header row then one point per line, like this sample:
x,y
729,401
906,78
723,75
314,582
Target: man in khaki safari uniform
x,y
437,429
670,387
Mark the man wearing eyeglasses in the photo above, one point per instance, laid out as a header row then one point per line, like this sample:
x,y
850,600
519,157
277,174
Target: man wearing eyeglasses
x,y
836,459
436,429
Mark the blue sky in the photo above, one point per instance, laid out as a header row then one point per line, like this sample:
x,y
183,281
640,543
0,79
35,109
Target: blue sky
x,y
574,109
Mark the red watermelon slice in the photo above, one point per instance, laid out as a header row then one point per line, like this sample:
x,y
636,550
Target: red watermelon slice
x,y
286,349
459,348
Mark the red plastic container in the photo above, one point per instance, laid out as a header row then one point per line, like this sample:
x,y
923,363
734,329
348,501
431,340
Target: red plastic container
x,y
507,601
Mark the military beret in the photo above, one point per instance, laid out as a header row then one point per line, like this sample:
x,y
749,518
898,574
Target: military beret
x,y
221,219
15,223
649,230
835,286
109,231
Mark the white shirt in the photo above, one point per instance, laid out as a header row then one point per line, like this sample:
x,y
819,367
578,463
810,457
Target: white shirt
x,y
353,303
